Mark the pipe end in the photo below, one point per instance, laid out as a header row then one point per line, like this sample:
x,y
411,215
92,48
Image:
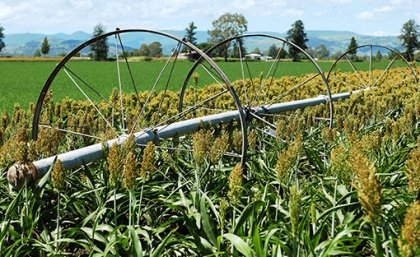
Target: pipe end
x,y
20,172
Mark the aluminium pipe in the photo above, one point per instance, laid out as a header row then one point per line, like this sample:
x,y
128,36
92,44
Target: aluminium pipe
x,y
77,158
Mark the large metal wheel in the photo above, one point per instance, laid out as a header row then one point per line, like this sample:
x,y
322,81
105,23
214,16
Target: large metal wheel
x,y
267,92
369,66
119,96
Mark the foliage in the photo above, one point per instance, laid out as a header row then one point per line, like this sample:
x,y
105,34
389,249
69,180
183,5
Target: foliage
x,y
274,51
2,45
410,38
296,35
226,26
378,56
190,33
217,208
153,49
45,47
352,48
37,53
100,47
321,52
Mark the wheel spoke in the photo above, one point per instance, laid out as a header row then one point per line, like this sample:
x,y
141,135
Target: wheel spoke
x,y
385,72
212,75
120,86
89,86
262,120
192,108
370,66
143,109
344,82
68,131
274,64
155,119
265,132
242,71
129,68
279,97
356,71
90,100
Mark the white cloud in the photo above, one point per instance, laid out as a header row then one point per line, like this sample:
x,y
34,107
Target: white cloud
x,y
379,33
336,2
377,13
293,13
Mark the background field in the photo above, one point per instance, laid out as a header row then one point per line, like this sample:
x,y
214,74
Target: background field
x,y
21,81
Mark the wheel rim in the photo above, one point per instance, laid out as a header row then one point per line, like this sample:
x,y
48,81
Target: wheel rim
x,y
113,113
256,105
377,71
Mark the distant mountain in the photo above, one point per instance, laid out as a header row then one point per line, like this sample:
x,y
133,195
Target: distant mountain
x,y
25,44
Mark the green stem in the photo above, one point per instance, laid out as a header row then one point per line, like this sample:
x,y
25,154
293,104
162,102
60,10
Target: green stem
x,y
377,242
57,234
115,207
130,193
141,198
333,213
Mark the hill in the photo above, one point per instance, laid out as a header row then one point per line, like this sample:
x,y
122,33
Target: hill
x,y
25,44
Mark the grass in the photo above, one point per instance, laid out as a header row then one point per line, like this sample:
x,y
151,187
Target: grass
x,y
21,81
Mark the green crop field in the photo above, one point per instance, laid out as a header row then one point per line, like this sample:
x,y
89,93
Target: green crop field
x,y
310,188
22,81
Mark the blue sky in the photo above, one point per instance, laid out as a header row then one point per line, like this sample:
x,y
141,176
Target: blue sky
x,y
370,17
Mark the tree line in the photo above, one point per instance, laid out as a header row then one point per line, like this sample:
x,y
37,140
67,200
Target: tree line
x,y
231,24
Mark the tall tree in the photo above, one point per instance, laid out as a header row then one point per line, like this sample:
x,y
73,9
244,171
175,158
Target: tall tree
x,y
190,33
2,45
378,56
45,47
190,37
410,38
297,36
227,25
100,47
352,46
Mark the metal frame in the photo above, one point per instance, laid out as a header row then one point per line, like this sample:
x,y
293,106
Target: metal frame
x,y
203,56
94,152
284,41
371,57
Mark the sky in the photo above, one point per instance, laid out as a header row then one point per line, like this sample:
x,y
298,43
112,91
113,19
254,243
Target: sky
x,y
368,17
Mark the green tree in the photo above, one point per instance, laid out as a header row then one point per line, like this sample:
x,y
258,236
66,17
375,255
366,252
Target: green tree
x,y
2,45
190,33
190,37
226,26
297,36
352,46
273,51
256,51
378,55
37,53
100,47
336,55
321,52
410,38
155,49
45,47
235,49
204,46
143,50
